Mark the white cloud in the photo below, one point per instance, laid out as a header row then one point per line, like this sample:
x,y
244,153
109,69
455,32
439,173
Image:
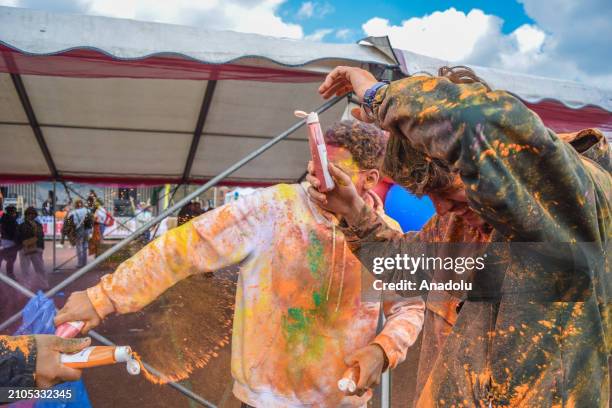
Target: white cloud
x,y
344,33
449,34
318,34
529,38
310,9
306,10
568,40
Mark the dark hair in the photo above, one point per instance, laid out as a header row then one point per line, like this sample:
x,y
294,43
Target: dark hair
x,y
365,142
414,170
411,168
31,210
461,74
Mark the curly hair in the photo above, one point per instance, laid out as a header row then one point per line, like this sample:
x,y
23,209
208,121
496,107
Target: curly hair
x,y
365,142
413,169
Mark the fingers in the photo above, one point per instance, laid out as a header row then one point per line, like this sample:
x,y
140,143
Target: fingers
x,y
318,197
351,360
339,176
65,373
313,181
310,167
335,79
88,326
62,316
69,346
338,88
363,383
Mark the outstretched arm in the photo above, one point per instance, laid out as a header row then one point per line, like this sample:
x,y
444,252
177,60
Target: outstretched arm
x,y
217,239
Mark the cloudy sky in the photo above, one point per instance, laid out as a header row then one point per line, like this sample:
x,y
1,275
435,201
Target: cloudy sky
x,y
566,39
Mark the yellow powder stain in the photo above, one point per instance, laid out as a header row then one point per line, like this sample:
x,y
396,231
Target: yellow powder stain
x,y
286,192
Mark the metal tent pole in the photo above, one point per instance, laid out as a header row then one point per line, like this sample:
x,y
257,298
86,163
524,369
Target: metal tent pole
x,y
54,224
182,389
212,182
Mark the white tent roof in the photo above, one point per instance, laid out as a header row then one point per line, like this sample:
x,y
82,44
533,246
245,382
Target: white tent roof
x,y
104,99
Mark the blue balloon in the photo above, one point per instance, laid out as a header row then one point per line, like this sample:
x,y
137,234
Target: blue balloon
x,y
407,209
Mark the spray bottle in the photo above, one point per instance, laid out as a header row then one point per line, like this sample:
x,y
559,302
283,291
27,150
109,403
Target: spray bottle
x,y
95,356
349,380
318,150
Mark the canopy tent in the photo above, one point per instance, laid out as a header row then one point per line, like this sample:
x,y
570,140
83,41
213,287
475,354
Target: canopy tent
x,y
109,100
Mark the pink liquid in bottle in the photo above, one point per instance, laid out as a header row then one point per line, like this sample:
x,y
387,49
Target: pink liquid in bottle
x,y
69,330
318,150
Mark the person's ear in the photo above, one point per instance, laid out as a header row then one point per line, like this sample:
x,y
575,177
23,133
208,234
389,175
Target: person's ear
x,y
372,177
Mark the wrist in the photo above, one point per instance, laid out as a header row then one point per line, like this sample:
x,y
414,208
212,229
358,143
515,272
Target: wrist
x,y
369,97
382,355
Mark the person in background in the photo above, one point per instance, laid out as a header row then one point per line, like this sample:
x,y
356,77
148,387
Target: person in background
x,y
197,209
34,361
300,318
186,214
79,228
31,237
60,216
99,216
49,205
8,242
105,219
143,216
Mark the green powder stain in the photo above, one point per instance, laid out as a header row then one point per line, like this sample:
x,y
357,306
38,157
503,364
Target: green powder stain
x,y
317,298
315,255
301,332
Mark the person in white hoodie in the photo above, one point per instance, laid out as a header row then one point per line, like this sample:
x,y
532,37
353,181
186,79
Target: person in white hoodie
x,y
301,319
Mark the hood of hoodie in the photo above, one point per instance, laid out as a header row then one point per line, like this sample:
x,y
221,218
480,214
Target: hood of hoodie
x,y
591,143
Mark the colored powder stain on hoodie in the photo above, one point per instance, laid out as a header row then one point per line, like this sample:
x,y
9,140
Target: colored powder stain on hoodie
x,y
296,317
315,255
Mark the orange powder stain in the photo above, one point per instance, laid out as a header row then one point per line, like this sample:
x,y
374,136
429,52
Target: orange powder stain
x,y
429,84
488,152
546,324
21,343
431,110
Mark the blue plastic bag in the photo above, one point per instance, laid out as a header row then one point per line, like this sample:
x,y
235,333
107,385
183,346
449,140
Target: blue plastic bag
x,y
38,317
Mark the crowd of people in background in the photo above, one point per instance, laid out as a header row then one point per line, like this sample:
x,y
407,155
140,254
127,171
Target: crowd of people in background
x,y
84,223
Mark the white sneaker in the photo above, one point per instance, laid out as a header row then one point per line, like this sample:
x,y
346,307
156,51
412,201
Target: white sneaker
x,y
59,246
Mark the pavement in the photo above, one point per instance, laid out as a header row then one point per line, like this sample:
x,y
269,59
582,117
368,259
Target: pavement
x,y
112,385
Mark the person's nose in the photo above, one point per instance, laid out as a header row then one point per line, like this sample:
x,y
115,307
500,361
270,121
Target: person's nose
x,y
441,205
